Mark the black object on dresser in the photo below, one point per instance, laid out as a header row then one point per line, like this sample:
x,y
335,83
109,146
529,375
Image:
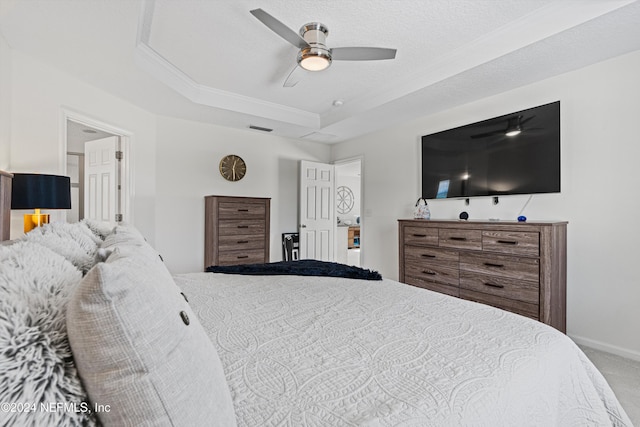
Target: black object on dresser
x,y
236,230
518,267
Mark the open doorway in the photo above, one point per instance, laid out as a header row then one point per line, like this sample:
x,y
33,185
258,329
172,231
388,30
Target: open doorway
x,y
348,212
97,162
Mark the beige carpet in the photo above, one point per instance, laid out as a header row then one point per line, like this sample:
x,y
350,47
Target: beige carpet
x,y
623,375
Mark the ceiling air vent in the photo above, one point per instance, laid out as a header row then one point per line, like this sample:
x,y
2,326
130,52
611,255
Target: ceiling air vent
x,y
260,128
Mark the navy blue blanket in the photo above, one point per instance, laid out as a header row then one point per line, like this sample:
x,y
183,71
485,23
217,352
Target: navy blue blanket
x,y
305,267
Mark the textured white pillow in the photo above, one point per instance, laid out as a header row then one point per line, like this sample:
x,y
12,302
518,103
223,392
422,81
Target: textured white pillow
x,y
99,229
36,365
139,348
125,235
74,241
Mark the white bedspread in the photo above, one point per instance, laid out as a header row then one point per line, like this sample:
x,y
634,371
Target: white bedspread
x,y
315,351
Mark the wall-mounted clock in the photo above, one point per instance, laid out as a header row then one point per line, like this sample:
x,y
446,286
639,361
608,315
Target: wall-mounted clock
x,y
232,167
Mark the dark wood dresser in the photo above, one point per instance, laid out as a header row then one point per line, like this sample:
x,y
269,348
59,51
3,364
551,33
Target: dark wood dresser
x,y
5,205
519,267
236,230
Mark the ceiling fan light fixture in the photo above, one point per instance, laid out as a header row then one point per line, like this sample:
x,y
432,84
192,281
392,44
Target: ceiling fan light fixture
x,y
314,58
513,128
513,132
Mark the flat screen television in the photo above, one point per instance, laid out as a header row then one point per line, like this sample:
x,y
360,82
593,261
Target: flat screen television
x,y
518,153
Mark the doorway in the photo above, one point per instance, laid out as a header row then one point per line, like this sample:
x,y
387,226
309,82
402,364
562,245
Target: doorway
x,y
109,201
348,205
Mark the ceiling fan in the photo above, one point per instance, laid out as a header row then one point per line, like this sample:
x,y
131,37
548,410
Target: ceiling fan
x,y
514,127
314,55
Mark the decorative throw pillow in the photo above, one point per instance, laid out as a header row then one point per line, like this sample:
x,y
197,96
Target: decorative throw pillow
x,y
36,364
140,350
99,229
125,235
74,241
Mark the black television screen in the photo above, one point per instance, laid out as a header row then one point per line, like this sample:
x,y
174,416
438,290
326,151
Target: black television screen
x,y
518,153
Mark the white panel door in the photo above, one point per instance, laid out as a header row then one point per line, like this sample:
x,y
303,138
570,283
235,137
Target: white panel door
x,y
101,179
317,212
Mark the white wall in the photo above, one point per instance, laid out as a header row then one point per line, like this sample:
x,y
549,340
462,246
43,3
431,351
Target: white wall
x,y
5,103
187,159
39,95
600,109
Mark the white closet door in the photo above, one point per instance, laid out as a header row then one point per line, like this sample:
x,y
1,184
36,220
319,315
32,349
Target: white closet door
x,y
317,210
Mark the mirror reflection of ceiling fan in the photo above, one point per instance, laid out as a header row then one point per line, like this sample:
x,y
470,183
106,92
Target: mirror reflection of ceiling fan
x,y
515,125
314,55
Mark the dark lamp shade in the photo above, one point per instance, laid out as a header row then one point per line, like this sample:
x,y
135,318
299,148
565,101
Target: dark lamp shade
x,y
37,191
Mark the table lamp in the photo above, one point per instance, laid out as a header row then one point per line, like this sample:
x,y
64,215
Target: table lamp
x,y
39,191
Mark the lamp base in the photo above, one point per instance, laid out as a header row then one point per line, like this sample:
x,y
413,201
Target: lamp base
x,y
34,220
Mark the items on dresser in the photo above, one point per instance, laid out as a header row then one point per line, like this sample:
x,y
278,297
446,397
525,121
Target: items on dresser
x,y
5,205
236,230
519,267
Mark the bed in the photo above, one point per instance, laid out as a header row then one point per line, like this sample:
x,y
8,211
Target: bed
x,y
94,330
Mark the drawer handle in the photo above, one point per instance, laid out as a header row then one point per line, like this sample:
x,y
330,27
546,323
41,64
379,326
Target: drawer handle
x,y
242,256
494,285
427,256
243,241
508,242
419,235
460,239
243,226
430,273
490,264
243,210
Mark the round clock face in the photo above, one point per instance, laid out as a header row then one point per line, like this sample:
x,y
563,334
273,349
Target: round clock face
x,y
232,167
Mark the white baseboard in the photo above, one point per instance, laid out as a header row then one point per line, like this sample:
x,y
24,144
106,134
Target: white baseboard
x,y
620,351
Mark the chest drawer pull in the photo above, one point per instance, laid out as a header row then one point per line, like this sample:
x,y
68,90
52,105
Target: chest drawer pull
x,y
427,256
459,239
243,226
243,210
493,285
419,235
242,256
429,272
508,242
490,264
243,241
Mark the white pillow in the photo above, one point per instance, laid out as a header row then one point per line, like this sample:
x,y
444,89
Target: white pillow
x,y
74,241
139,348
36,365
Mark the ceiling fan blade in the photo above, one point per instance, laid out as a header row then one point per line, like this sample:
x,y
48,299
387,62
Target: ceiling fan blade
x,y
279,28
486,134
362,53
526,120
294,77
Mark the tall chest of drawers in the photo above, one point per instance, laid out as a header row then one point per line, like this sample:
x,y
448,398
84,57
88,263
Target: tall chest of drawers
x,y
236,230
5,205
519,267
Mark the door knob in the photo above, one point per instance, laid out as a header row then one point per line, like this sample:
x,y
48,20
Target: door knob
x,y
303,226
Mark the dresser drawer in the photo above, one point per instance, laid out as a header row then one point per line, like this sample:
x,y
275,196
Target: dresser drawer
x,y
419,254
519,307
502,266
433,286
439,273
460,238
251,256
513,243
420,236
234,227
238,210
240,242
520,290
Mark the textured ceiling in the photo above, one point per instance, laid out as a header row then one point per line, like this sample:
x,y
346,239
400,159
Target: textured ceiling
x,y
213,61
